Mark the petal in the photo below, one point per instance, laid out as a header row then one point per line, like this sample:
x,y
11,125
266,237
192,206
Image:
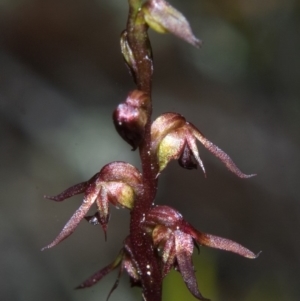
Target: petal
x,y
184,249
122,172
103,208
168,256
193,147
163,215
129,264
100,274
116,284
224,244
130,269
218,153
79,214
74,190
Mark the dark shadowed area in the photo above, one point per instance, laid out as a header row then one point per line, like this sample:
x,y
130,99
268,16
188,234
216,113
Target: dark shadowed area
x,y
61,77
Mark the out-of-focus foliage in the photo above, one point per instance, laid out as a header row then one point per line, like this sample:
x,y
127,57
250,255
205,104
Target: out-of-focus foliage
x,y
61,77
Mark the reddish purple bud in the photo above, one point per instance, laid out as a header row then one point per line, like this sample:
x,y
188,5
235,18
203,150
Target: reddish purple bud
x,y
131,117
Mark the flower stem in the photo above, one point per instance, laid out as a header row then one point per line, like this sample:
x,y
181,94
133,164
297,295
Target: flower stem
x,y
145,258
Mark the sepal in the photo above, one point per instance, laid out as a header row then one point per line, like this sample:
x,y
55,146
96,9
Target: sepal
x,y
163,18
124,261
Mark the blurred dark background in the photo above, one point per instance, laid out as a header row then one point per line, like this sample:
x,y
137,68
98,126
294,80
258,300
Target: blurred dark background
x,y
62,75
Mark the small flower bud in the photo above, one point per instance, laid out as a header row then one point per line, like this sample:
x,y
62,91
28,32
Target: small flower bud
x,y
131,117
162,17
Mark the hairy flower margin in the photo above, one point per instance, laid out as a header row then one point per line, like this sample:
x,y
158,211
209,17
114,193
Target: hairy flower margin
x,y
167,240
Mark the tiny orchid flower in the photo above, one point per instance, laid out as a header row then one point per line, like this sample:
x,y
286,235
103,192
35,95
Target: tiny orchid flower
x,y
117,183
173,138
174,240
163,18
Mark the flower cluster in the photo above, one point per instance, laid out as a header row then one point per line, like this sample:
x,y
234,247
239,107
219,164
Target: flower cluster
x,y
174,240
159,239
